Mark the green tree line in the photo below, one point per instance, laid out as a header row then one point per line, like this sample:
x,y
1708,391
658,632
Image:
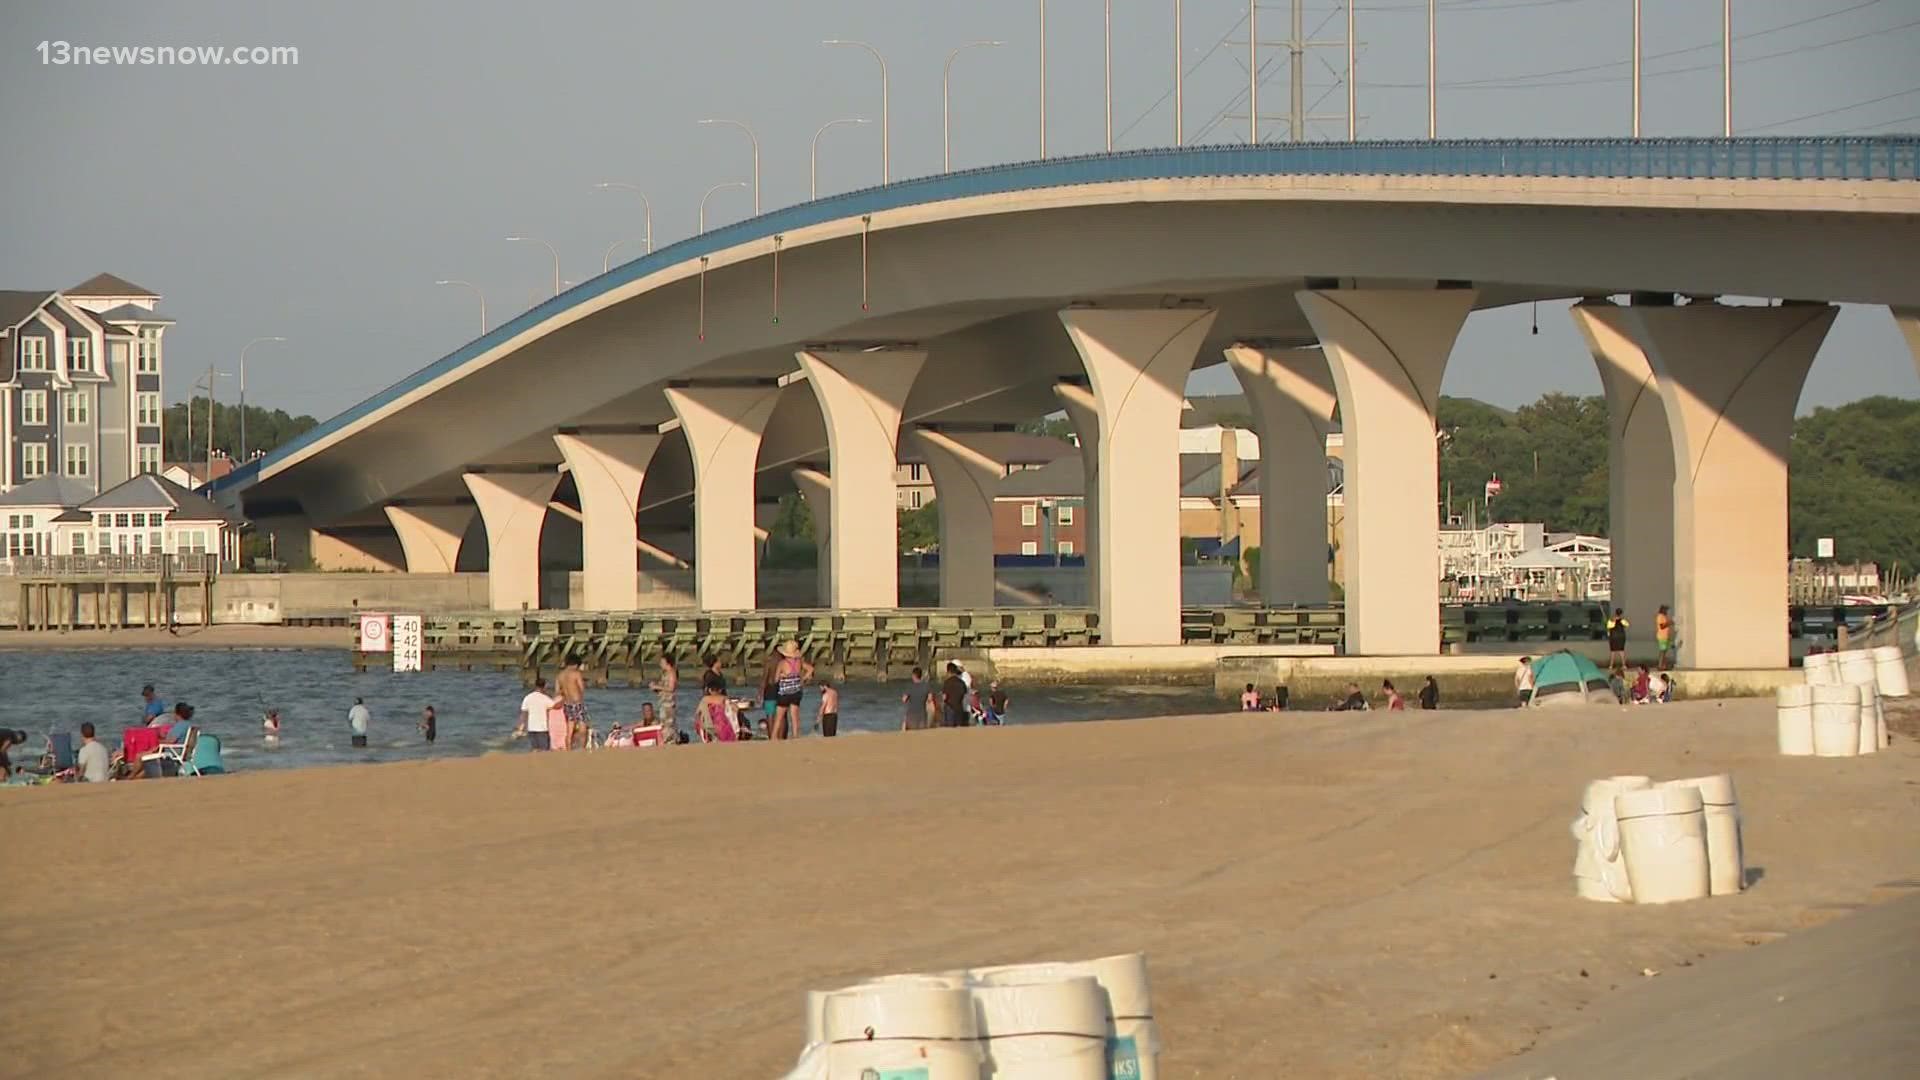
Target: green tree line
x,y
267,429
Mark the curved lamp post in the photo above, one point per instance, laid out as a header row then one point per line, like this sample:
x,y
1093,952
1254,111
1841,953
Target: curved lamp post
x,y
645,203
752,138
243,392
813,158
476,292
709,195
886,116
946,79
552,250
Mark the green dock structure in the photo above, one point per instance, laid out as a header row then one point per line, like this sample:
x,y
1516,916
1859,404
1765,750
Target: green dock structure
x,y
626,646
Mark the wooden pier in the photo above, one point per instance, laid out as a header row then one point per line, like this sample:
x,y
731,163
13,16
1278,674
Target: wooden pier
x,y
56,591
627,646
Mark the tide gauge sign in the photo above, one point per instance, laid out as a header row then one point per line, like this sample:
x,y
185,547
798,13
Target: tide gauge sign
x,y
373,633
406,643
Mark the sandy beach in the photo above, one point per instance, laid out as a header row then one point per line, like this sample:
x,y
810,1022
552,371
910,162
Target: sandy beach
x,y
1320,895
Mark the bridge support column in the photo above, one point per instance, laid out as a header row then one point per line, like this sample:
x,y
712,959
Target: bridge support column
x,y
1084,415
816,488
1639,467
1908,320
1730,378
1137,361
608,469
513,507
964,480
430,535
1290,392
1387,350
723,425
861,394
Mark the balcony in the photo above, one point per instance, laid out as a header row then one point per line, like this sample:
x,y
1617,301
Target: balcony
x,y
71,567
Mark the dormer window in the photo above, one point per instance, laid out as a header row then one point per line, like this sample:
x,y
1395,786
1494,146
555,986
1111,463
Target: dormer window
x,y
33,354
79,354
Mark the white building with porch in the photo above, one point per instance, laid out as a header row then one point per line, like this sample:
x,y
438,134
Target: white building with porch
x,y
144,516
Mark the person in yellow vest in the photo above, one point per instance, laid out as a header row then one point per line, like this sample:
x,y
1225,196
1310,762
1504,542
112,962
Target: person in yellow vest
x,y
1617,643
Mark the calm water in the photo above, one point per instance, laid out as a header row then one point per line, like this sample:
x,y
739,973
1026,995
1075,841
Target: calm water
x,y
231,690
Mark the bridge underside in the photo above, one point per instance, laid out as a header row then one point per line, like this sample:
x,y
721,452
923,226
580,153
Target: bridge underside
x,y
662,412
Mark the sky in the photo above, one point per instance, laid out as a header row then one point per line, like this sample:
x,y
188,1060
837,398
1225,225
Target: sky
x,y
321,201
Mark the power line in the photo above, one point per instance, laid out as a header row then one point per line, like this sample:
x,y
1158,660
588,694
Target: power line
x,y
1162,99
1886,124
1839,109
1670,53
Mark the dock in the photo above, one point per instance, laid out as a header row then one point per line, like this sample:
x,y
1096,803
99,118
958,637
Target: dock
x,y
56,591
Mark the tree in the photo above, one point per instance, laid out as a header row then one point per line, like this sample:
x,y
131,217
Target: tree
x,y
1056,426
1551,458
920,529
267,429
1854,475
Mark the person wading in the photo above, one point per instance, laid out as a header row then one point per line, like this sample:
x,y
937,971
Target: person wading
x,y
913,703
790,677
953,692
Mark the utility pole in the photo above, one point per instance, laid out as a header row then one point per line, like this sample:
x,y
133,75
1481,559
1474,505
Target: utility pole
x,y
1253,72
1352,118
1433,117
1179,78
1297,93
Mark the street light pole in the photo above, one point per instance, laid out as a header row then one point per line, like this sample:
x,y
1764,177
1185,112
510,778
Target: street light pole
x,y
1636,68
243,392
1726,68
1179,78
1352,125
476,292
756,156
1109,51
709,195
813,156
946,124
1433,114
886,115
1043,80
552,250
1253,72
645,203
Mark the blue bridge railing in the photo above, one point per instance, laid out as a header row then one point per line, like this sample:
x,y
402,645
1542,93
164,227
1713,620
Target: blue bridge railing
x,y
1887,157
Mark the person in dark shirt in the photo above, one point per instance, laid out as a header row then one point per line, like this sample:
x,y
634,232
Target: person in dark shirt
x,y
996,703
429,724
1355,701
1429,694
953,694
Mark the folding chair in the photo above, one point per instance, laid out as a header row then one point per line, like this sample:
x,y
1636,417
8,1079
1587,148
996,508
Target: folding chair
x,y
182,752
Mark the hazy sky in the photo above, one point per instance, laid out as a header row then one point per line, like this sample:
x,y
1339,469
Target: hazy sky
x,y
321,201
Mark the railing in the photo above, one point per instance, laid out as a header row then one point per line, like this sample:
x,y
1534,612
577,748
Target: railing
x,y
70,566
1781,158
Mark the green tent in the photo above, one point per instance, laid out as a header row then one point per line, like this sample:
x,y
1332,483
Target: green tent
x,y
1567,678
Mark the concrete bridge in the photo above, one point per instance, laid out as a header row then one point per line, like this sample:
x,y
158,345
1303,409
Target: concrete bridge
x,y
683,390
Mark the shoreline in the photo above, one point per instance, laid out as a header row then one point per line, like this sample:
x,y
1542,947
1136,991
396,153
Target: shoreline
x,y
1301,884
223,636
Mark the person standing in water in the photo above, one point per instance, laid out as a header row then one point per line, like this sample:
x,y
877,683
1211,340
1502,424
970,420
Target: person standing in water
x,y
358,720
829,721
1429,694
533,716
429,725
664,689
573,705
913,703
270,727
790,677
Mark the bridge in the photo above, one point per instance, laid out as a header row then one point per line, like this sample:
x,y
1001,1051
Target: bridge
x,y
662,406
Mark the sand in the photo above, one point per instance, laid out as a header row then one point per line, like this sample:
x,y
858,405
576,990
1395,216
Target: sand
x,y
187,637
1321,895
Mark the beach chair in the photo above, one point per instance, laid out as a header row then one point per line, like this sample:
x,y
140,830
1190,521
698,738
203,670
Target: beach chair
x,y
59,758
182,752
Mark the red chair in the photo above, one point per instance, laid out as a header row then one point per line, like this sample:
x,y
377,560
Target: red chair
x,y
135,742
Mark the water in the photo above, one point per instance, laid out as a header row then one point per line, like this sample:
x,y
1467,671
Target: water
x,y
231,689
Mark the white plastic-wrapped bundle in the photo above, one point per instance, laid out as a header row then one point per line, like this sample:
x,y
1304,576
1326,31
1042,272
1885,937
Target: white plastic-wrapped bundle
x,y
1726,858
1598,871
1856,667
1053,1029
1836,720
1890,671
903,1029
1821,669
1871,719
1793,711
1663,840
1133,1040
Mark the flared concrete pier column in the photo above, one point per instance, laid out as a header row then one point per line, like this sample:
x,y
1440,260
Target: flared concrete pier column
x,y
1730,378
1908,320
430,535
1388,351
1639,468
964,480
1137,361
723,425
861,394
1290,392
816,488
513,507
1081,412
608,469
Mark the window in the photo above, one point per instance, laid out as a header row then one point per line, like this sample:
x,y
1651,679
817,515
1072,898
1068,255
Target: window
x,y
33,354
79,354
191,542
33,460
120,521
147,457
1029,516
913,499
146,408
77,407
77,545
913,471
33,408
79,460
148,362
1066,547
1028,547
155,542
1066,516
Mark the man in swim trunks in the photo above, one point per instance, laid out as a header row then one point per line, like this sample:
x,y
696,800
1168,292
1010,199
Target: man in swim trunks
x,y
829,709
1663,637
913,703
572,685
